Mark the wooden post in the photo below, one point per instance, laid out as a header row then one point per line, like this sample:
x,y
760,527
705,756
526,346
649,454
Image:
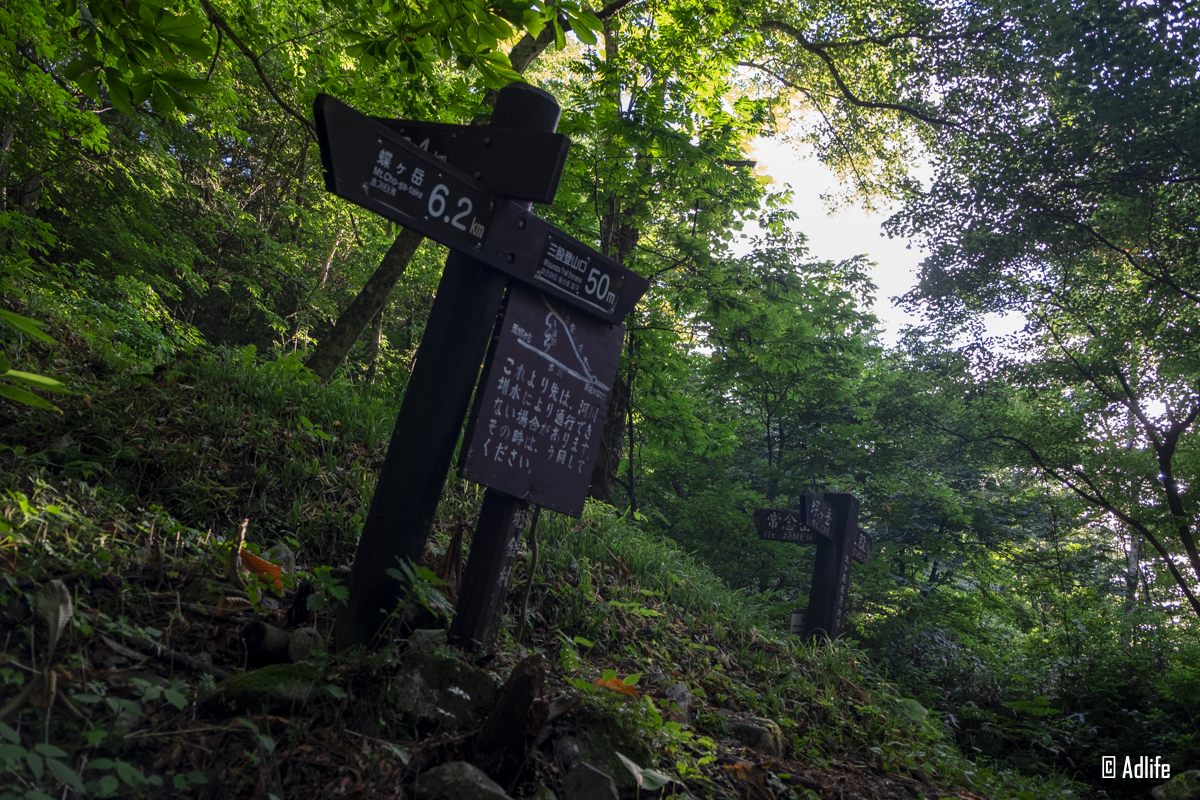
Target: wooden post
x,y
831,572
432,412
489,568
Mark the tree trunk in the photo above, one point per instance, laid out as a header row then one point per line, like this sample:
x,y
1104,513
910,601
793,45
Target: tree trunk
x,y
334,346
1133,569
617,240
376,344
608,454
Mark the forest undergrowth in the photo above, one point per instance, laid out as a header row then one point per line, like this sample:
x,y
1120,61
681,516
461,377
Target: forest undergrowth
x,y
131,498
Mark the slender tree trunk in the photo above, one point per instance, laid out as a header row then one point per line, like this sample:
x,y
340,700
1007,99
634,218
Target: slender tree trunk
x,y
1133,569
608,454
618,239
632,485
329,260
335,345
376,343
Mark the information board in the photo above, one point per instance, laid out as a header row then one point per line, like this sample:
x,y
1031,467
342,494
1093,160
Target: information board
x,y
540,409
517,163
774,525
815,518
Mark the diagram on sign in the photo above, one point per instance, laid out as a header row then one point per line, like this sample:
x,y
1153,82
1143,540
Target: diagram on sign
x,y
569,359
540,411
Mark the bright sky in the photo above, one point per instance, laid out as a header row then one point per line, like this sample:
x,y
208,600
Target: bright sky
x,y
850,232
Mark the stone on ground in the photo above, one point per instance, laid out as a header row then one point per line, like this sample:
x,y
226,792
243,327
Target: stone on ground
x,y
1184,786
585,782
458,780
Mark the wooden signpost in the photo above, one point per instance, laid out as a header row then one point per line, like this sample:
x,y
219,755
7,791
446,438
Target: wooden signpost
x,y
466,188
830,522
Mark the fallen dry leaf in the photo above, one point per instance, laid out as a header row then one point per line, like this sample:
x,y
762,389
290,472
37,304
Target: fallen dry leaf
x,y
617,685
265,570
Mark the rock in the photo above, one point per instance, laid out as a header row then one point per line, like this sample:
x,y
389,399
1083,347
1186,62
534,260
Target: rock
x,y
265,644
681,696
426,640
303,642
434,692
759,734
596,741
585,782
458,780
282,688
1184,786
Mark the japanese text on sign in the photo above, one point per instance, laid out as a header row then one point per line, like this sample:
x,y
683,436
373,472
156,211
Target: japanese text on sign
x,y
416,189
785,526
542,405
580,272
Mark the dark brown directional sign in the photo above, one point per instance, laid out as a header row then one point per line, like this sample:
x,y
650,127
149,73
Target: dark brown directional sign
x,y
521,164
374,166
830,523
814,519
860,551
539,412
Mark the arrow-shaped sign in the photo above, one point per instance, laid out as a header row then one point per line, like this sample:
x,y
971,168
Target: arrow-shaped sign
x,y
521,164
374,166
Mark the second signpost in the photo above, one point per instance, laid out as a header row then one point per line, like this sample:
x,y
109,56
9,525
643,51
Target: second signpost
x,y
555,338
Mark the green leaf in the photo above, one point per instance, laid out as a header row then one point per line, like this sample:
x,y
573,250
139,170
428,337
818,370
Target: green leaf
x,y
37,381
76,68
8,733
398,751
36,765
175,698
130,774
160,101
65,773
588,20
26,398
109,784
653,780
27,326
118,91
12,752
585,35
913,710
49,750
142,90
631,680
186,83
533,22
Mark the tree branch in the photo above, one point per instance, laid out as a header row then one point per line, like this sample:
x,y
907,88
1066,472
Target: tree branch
x,y
821,52
216,19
